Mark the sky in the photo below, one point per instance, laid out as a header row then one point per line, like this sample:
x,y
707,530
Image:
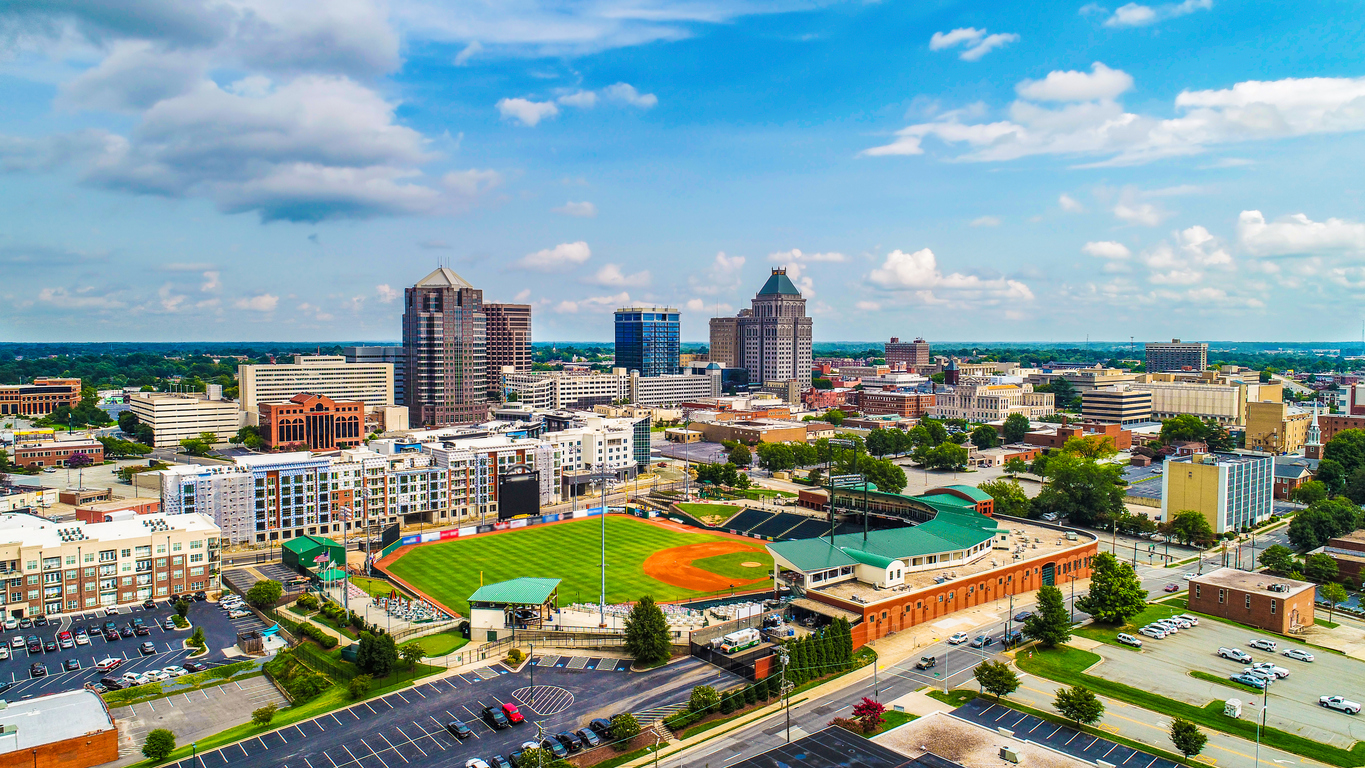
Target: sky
x,y
1047,171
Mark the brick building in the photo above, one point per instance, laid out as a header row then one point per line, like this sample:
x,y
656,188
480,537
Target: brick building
x,y
509,340
315,421
907,353
40,397
1349,552
1254,599
56,453
104,512
911,405
1331,424
60,730
1056,438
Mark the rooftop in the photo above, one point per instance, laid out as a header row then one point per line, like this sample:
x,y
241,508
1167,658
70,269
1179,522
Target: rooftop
x,y
523,591
779,283
52,718
954,740
1251,581
950,531
443,277
33,531
833,746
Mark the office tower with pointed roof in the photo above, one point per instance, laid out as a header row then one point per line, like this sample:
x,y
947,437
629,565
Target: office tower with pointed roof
x,y
774,338
445,343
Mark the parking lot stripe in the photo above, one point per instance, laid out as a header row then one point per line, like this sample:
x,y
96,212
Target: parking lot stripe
x,y
241,746
367,706
399,694
352,754
330,760
1073,738
418,691
376,754
305,762
410,741
1111,749
1034,728
391,746
263,746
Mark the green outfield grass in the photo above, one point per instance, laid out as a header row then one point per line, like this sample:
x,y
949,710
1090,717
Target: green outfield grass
x,y
700,510
729,565
449,571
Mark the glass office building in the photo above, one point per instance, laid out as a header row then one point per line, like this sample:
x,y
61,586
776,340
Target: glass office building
x,y
647,340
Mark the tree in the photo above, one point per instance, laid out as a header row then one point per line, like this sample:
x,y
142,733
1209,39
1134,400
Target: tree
x,y
883,473
248,436
984,437
1346,448
1331,474
1090,446
704,698
1079,704
359,686
1187,738
1016,427
1080,489
127,422
1063,393
265,593
182,608
835,416
868,713
1320,568
1015,465
1116,594
411,654
197,639
1333,593
1189,525
1355,486
937,432
265,714
945,456
740,456
1309,492
624,727
647,637
1278,558
159,745
996,678
193,446
377,654
1217,437
1009,496
1050,624
1182,428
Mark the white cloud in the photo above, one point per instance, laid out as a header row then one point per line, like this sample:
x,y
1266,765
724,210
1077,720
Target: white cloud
x,y
386,294
522,295
611,276
988,44
82,298
1107,249
1070,204
867,306
626,92
1100,127
985,221
471,183
918,274
942,40
468,52
797,255
1100,82
584,209
977,43
1298,235
722,276
211,282
527,112
594,303
1145,214
580,99
560,258
1195,251
264,302
1136,15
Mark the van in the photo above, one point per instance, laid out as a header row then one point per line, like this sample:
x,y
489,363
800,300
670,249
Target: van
x,y
738,641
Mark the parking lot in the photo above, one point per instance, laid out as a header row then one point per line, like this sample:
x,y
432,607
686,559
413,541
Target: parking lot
x,y
408,726
193,715
1068,741
1162,666
219,632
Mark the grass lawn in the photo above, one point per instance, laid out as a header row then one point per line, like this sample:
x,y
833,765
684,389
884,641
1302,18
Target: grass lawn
x,y
729,565
700,510
450,571
376,587
1065,665
1106,633
441,643
956,697
891,719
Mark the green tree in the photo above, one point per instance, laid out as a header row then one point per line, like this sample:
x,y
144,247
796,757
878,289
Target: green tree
x,y
883,473
945,456
1278,558
1347,448
1355,486
1189,525
1050,624
359,687
1331,474
1116,594
984,437
624,727
1015,465
159,745
937,432
648,639
996,678
1182,428
1333,593
411,654
1016,427
1063,393
1079,704
740,456
377,654
197,639
1080,489
1090,446
265,593
704,698
1009,496
182,608
835,416
127,422
1309,492
1187,738
265,714
1320,568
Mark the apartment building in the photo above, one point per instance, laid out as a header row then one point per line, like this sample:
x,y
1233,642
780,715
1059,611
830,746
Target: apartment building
x,y
647,340
1119,405
176,416
49,568
56,453
1277,427
40,397
1231,491
907,353
992,402
1176,356
329,375
911,405
509,339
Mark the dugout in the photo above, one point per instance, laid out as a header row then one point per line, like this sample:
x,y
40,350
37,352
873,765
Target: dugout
x,y
306,554
496,609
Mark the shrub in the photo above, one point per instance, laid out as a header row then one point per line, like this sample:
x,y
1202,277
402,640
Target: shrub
x,y
359,686
159,745
180,621
751,695
624,727
704,699
307,602
264,715
727,705
197,639
295,677
847,724
182,607
515,656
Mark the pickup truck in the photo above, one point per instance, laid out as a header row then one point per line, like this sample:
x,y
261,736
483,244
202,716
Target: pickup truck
x,y
1340,703
1236,654
1266,666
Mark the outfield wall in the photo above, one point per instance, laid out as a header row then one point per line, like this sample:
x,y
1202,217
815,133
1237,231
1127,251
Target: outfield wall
x,y
505,525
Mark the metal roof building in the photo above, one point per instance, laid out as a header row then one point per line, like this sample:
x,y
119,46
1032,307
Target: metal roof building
x,y
72,729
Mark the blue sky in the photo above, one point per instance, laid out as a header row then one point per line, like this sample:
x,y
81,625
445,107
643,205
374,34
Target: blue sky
x,y
206,169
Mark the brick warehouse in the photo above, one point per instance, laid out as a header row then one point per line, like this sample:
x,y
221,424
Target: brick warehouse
x,y
958,556
1254,599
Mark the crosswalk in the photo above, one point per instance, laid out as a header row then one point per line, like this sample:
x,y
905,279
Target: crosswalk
x,y
655,714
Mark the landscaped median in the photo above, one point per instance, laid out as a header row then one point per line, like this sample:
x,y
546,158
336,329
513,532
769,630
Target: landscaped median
x,y
1067,666
226,673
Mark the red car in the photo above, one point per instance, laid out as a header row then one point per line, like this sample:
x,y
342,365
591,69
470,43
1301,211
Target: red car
x,y
513,716
1172,587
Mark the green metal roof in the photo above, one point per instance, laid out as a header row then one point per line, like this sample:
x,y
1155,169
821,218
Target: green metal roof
x,y
779,283
953,528
867,558
523,591
976,494
332,574
302,544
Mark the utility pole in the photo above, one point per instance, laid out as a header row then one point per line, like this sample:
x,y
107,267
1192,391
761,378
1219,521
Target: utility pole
x,y
785,658
602,605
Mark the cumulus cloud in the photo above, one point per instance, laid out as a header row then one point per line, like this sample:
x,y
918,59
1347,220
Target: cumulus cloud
x,y
1145,214
1070,204
626,93
1138,15
867,306
1298,235
985,221
580,99
976,43
722,276
1107,249
1087,119
264,302
81,298
1195,251
525,111
561,258
386,294
584,209
211,282
593,303
611,276
797,255
917,274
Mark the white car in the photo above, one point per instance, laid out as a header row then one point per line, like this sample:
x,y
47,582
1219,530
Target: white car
x,y
1298,653
958,639
475,762
82,639
239,614
1235,654
1262,643
1127,639
1151,631
1266,666
1188,576
1192,619
157,676
111,611
4,652
1170,626
174,671
11,624
1340,703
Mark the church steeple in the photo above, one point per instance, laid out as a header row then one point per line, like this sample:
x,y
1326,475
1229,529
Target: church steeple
x,y
1312,444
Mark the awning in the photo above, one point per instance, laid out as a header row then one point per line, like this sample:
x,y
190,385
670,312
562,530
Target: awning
x,y
332,574
827,610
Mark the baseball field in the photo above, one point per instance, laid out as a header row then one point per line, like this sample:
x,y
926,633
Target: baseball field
x,y
643,558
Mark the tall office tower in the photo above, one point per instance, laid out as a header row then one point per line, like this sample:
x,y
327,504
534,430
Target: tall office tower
x,y
392,355
647,340
509,340
725,341
444,338
1176,356
775,338
907,352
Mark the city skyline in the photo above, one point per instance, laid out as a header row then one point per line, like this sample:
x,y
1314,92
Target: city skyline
x,y
195,171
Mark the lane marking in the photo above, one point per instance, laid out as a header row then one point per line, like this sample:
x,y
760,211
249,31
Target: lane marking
x,y
391,746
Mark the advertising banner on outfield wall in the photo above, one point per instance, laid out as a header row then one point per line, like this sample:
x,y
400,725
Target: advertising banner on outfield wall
x,y
429,537
518,524
470,531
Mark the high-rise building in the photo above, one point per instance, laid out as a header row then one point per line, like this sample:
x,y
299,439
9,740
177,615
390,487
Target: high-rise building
x,y
907,352
39,398
176,416
372,383
444,337
775,337
509,340
725,340
647,340
392,355
1176,356
1231,491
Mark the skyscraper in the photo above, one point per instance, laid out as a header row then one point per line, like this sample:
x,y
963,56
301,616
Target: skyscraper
x,y
647,340
725,341
907,352
1176,356
775,336
509,340
444,340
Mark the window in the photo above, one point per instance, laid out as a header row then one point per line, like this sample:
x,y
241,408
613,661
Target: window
x,y
1196,591
70,559
1248,602
1221,594
1272,606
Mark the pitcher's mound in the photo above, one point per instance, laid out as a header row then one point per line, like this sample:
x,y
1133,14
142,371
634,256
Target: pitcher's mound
x,y
750,564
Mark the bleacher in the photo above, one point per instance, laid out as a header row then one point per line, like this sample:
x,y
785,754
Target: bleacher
x,y
777,525
809,530
745,520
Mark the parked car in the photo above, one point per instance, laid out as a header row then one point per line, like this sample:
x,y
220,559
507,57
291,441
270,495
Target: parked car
x,y
600,726
82,639
926,662
1298,653
498,761
1278,672
147,649
475,762
17,642
108,664
111,611
40,621
168,624
1191,618
1235,654
141,631
1127,639
108,625
495,718
194,666
1022,615
4,652
50,646
149,605
588,737
110,635
1262,643
239,614
569,741
11,624
1252,680
1261,673
111,683
458,729
981,641
958,639
1172,587
201,596
174,671
71,665
1187,576
36,669
555,746
1340,703
34,644
1151,631
515,757
513,714
126,632
25,623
